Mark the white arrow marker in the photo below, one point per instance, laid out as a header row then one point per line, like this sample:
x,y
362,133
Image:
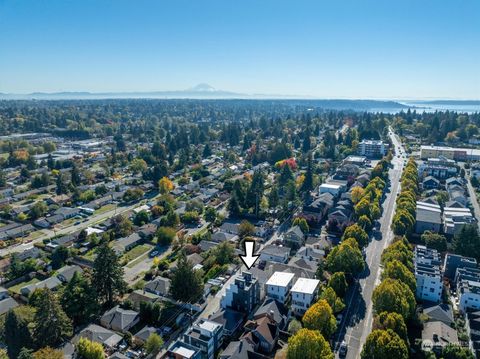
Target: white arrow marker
x,y
249,258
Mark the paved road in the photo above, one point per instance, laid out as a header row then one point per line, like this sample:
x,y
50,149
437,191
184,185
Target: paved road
x,y
358,318
473,197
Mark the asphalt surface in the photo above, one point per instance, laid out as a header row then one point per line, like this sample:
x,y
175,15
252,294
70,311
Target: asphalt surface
x,y
358,317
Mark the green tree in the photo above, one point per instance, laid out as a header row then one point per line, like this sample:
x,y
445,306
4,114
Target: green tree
x,y
87,349
51,324
59,257
122,226
338,283
356,232
454,351
137,165
210,214
17,330
467,241
396,270
165,235
107,275
79,299
187,284
154,343
302,223
245,229
39,209
393,321
294,326
398,250
25,353
320,317
308,344
332,299
384,344
392,295
346,257
435,241
48,353
141,218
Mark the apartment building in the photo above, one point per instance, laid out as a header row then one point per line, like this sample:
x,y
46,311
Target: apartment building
x,y
206,336
372,148
428,275
304,293
279,285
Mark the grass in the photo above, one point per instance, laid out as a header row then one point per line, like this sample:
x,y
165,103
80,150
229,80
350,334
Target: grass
x,y
4,155
90,255
16,288
34,235
105,208
135,252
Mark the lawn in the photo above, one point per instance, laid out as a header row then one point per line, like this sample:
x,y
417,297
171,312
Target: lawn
x,y
16,288
104,209
135,252
34,235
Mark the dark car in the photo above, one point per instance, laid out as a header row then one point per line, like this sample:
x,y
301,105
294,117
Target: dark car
x,y
343,349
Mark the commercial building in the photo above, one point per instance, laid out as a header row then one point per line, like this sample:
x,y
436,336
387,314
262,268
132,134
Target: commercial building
x,y
451,153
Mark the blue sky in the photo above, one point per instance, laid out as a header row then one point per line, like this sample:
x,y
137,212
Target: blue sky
x,y
326,49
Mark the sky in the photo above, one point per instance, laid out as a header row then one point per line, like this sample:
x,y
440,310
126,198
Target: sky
x,y
408,49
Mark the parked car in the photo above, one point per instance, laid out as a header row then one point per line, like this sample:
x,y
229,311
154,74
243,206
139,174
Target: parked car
x,y
153,254
343,349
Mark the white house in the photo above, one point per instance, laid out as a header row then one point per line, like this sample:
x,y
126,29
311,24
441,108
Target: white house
x,y
304,292
428,274
279,286
332,188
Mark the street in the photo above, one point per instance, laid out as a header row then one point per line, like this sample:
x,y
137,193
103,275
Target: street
x,y
358,318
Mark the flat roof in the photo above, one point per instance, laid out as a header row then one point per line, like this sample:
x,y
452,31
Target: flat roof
x,y
330,185
305,285
184,352
281,279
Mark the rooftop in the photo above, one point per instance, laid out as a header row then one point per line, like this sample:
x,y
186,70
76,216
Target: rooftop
x,y
305,285
281,279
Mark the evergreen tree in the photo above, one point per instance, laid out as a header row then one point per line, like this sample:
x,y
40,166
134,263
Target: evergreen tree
x,y
79,299
107,275
17,332
51,324
187,284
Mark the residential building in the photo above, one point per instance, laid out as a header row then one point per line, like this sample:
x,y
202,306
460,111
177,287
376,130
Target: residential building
x,y
427,274
119,319
243,294
372,148
279,285
304,292
273,253
332,188
468,288
454,261
428,217
455,218
205,335
438,335
181,350
439,168
294,237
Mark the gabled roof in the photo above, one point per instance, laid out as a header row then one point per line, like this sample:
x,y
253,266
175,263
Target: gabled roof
x,y
440,312
119,318
101,335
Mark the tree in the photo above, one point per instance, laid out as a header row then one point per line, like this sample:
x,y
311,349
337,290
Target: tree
x,y
397,270
141,218
294,326
338,283
357,194
273,197
435,241
308,344
190,217
393,321
187,284
25,353
302,223
365,223
320,317
107,275
362,208
165,235
133,194
245,229
87,349
210,214
307,184
332,299
51,324
59,257
467,241
346,257
75,176
398,250
392,295
17,329
234,207
454,351
384,344
48,353
137,165
356,232
255,192
39,209
79,299
122,226
171,219
165,185
402,222
154,343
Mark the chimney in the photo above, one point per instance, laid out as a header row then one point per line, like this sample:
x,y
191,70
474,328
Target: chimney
x,y
435,337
